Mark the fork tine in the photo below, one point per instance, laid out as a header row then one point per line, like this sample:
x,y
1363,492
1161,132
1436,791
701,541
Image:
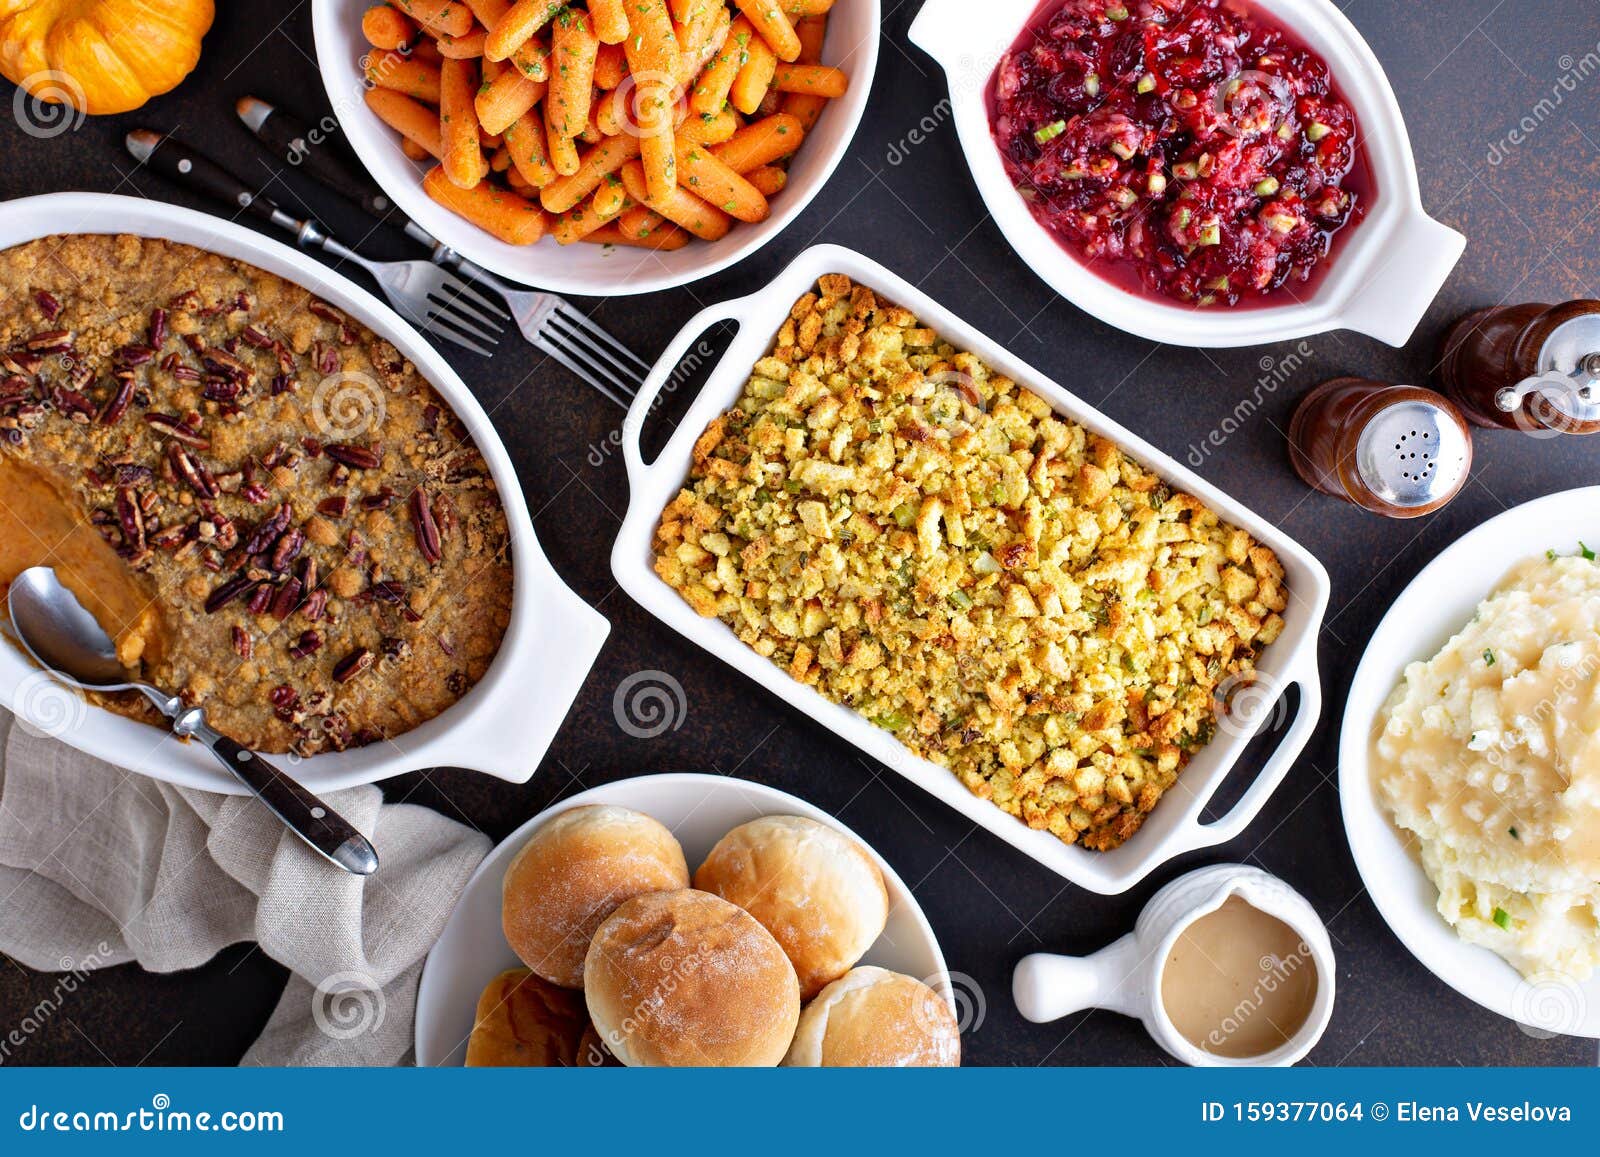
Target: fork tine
x,y
557,354
577,316
463,324
442,300
579,351
460,288
626,379
441,331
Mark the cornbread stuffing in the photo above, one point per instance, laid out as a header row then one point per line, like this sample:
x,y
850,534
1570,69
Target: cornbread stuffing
x,y
924,541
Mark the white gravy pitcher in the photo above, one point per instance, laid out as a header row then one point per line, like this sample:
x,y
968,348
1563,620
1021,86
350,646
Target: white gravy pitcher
x,y
1126,977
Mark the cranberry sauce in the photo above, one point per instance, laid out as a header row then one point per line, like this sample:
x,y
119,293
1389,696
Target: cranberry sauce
x,y
1194,149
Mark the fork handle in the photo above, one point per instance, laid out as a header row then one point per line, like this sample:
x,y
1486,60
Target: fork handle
x,y
187,166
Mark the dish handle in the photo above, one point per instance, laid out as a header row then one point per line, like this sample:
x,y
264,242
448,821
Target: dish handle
x,y
942,29
666,368
1416,257
1239,817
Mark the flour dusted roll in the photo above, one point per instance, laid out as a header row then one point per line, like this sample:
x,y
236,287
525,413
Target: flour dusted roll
x,y
573,873
874,1018
813,887
686,978
523,1020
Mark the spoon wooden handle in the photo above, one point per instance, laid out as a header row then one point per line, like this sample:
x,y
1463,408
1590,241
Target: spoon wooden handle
x,y
303,813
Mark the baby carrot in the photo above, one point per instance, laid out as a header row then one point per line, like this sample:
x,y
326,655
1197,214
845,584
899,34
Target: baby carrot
x,y
413,77
754,78
679,206
665,237
521,21
385,28
610,20
447,16
458,118
513,219
769,179
573,48
760,143
530,158
705,176
710,92
773,26
810,80
596,165
416,122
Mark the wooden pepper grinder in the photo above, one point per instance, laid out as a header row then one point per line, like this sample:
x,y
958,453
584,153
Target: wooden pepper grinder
x,y
1534,368
1399,451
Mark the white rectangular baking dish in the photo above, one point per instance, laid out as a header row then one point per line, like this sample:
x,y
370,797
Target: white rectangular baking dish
x,y
502,726
1174,827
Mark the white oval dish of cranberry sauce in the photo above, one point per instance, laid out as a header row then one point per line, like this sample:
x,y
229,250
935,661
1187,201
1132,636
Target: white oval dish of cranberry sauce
x,y
1299,211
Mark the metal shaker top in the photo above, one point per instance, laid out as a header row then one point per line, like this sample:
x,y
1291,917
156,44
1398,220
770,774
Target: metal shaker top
x,y
1413,453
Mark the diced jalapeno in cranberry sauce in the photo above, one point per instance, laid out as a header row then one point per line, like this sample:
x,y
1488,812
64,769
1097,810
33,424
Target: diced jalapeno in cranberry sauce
x,y
1191,147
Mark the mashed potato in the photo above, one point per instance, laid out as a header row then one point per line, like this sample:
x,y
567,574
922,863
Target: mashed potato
x,y
1490,754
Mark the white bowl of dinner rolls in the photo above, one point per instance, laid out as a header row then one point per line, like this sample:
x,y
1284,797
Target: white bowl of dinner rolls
x,y
686,920
351,65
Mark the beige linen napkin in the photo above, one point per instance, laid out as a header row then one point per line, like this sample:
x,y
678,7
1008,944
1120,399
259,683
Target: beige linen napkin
x,y
100,867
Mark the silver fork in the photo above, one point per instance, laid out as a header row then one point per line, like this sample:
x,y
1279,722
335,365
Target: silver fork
x,y
558,329
551,325
427,295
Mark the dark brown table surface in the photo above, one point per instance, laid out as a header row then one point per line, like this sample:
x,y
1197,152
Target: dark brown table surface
x,y
1465,74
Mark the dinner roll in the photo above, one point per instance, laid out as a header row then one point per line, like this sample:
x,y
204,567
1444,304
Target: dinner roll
x,y
573,873
523,1020
686,978
871,1017
813,887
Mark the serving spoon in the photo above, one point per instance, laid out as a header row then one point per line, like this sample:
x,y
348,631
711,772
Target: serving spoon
x,y
65,639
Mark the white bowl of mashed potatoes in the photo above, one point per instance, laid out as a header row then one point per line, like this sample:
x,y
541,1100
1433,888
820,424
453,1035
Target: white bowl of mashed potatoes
x,y
1470,765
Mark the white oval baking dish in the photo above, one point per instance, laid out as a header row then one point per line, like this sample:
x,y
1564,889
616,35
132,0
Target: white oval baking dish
x,y
1174,827
699,810
594,270
504,724
1381,280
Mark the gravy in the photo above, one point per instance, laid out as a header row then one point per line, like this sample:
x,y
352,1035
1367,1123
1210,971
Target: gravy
x,y
1238,983
39,527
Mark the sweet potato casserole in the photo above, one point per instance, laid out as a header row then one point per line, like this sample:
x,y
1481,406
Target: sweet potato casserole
x,y
300,533
924,541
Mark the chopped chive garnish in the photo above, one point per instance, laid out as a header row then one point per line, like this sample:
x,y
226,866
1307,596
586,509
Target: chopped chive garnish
x,y
1502,917
1488,657
1512,832
1585,551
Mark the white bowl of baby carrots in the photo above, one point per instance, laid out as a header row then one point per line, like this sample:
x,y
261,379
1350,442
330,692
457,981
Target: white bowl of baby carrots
x,y
601,147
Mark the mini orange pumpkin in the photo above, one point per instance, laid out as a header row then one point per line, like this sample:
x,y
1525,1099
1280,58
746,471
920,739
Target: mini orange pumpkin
x,y
101,56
